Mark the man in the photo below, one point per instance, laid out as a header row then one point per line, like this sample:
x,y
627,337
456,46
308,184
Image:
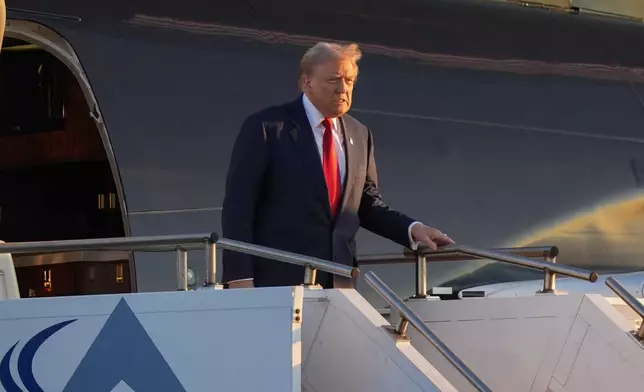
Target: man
x,y
303,179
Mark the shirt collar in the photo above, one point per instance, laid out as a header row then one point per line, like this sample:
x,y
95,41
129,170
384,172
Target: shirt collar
x,y
314,115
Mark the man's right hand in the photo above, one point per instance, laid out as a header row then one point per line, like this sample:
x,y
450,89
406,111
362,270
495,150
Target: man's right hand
x,y
241,284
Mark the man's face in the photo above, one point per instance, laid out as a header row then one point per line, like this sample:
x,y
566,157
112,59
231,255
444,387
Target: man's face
x,y
330,87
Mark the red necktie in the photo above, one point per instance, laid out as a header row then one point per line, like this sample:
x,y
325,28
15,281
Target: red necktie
x,y
331,167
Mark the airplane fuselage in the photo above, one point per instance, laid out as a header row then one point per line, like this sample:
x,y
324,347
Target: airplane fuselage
x,y
501,126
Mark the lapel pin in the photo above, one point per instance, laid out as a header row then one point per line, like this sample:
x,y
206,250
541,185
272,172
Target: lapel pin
x,y
351,141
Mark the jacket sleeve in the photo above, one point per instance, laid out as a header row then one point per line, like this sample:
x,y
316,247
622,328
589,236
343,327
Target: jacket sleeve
x,y
375,215
245,176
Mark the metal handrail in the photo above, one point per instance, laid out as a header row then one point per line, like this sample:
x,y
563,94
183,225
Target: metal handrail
x,y
630,300
311,264
409,256
407,316
517,256
161,243
180,243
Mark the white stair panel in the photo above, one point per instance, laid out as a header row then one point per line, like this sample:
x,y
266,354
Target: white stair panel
x,y
8,280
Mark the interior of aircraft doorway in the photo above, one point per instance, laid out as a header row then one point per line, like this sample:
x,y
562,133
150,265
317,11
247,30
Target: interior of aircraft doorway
x,y
55,179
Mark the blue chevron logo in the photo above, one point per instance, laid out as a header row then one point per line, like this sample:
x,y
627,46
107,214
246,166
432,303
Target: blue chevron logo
x,y
122,352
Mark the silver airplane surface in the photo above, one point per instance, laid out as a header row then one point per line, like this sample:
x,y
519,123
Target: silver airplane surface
x,y
504,126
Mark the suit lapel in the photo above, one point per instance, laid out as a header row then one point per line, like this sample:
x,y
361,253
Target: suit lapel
x,y
351,160
302,135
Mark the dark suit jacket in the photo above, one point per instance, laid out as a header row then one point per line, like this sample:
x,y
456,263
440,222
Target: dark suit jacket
x,y
276,196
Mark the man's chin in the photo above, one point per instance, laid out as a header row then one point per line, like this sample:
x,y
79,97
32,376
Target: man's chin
x,y
341,109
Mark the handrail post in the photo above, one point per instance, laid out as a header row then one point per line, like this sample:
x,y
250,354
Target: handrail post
x,y
401,327
421,275
182,269
211,263
310,274
399,331
549,278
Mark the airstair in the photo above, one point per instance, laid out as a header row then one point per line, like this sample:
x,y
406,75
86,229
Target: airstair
x,y
305,338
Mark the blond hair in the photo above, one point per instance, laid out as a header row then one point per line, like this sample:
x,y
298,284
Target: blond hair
x,y
325,51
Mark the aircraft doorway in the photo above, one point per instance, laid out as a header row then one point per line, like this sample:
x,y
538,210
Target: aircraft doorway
x,y
56,181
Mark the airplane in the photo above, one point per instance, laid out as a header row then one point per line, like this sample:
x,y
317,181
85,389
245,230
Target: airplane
x,y
503,125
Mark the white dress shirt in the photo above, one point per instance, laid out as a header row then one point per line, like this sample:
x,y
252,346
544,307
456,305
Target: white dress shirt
x,y
315,120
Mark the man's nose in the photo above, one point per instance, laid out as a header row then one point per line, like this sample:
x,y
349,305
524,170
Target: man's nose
x,y
343,87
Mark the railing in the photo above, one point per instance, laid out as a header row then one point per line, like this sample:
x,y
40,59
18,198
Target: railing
x,y
407,316
631,301
311,264
181,244
27,260
164,243
517,256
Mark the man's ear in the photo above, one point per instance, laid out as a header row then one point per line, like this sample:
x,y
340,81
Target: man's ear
x,y
305,83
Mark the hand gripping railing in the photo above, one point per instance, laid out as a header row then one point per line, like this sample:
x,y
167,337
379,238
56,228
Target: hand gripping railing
x,y
311,264
163,243
630,300
518,256
407,316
